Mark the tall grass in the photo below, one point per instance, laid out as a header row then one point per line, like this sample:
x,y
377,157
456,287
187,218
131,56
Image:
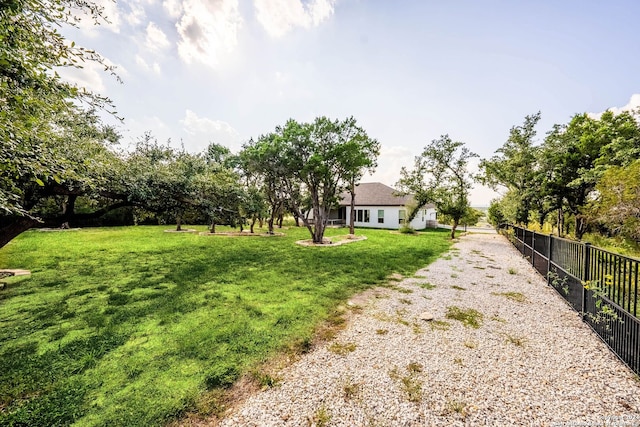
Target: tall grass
x,y
129,326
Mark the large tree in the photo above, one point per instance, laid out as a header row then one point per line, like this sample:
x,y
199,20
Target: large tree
x,y
514,167
617,207
309,164
441,176
37,108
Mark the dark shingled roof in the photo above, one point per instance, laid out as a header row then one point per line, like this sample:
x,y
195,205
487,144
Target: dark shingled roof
x,y
376,194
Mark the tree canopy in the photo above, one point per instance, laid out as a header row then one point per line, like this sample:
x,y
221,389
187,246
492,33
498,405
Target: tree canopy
x,y
578,171
307,165
440,176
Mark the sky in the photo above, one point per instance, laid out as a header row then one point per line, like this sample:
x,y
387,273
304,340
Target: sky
x,y
409,71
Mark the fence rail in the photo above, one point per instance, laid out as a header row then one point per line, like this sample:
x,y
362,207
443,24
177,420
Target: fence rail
x,y
599,284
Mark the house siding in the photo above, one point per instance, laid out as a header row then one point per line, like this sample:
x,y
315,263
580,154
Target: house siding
x,y
392,217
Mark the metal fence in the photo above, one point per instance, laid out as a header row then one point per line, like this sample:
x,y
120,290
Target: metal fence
x,y
599,284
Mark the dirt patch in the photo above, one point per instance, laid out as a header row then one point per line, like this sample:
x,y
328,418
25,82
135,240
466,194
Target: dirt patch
x,y
334,241
242,234
184,230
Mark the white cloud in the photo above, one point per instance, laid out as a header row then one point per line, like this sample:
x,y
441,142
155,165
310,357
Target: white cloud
x,y
201,131
278,17
88,77
136,14
633,104
156,39
173,8
146,67
91,75
208,30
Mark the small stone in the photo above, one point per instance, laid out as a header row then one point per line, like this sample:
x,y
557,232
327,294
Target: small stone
x,y
426,316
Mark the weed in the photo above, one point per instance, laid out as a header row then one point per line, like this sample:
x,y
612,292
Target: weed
x,y
414,367
419,276
490,276
427,285
457,407
351,388
468,317
382,331
447,257
479,267
458,361
266,380
342,349
320,418
405,301
515,296
459,288
411,385
417,328
512,270
518,341
470,344
454,276
497,318
439,325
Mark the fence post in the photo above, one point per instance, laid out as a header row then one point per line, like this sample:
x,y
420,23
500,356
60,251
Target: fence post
x,y
533,248
585,273
549,258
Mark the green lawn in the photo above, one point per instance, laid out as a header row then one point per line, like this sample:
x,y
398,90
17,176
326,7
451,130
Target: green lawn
x,y
130,326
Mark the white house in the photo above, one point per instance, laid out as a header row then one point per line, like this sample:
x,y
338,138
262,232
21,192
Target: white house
x,y
379,206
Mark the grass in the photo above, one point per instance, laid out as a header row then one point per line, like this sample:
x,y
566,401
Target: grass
x,y
439,325
514,296
512,270
469,316
426,285
458,288
342,349
410,384
133,326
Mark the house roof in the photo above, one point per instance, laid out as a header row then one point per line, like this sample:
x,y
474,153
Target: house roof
x,y
376,194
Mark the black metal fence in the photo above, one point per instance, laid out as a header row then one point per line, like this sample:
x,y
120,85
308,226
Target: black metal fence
x,y
599,284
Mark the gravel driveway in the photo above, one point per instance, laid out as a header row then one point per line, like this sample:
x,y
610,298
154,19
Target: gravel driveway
x,y
530,362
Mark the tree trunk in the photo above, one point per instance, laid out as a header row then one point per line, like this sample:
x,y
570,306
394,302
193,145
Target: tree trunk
x,y
212,229
296,218
15,228
319,226
453,229
178,222
560,223
352,222
253,222
68,209
280,219
581,226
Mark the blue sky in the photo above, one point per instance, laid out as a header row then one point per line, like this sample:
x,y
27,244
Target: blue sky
x,y
409,71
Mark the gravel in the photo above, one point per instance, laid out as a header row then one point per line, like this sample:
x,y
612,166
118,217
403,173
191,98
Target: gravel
x,y
530,362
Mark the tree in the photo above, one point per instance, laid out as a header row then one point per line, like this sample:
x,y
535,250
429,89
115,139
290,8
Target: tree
x,y
306,165
514,167
440,176
581,151
36,106
618,204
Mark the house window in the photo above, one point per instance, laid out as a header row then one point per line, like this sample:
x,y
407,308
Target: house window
x,y
362,215
401,216
380,216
